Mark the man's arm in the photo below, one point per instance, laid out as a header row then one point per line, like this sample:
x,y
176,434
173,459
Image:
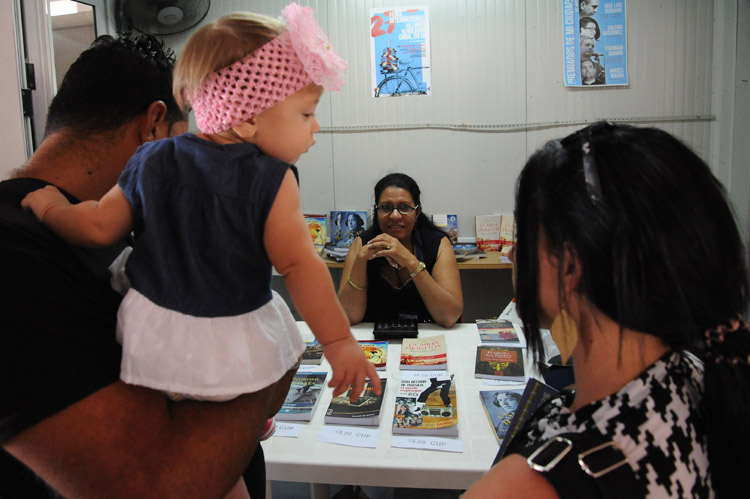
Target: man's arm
x,y
130,441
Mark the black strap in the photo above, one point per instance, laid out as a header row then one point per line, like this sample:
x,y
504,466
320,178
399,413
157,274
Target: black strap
x,y
581,465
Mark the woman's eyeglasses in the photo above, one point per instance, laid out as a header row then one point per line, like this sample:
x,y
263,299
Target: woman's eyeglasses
x,y
403,208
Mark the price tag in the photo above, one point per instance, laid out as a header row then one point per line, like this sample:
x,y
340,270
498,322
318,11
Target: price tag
x,y
429,443
353,436
287,429
310,368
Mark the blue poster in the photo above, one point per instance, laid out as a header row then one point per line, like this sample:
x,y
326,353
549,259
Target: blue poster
x,y
595,43
400,51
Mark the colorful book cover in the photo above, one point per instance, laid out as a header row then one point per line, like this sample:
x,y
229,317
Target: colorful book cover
x,y
500,331
507,233
313,353
318,226
448,224
500,406
535,395
488,232
376,352
424,353
501,363
346,226
302,397
364,411
426,404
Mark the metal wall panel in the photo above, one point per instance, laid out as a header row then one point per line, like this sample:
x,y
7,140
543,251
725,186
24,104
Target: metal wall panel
x,y
495,63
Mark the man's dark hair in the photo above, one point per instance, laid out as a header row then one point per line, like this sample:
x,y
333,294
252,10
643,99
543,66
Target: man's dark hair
x,y
112,82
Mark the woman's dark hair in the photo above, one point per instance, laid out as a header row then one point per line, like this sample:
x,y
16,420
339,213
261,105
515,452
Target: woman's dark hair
x,y
587,20
357,219
402,181
659,252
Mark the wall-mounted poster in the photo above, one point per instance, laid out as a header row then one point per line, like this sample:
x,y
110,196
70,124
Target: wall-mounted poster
x,y
595,43
400,50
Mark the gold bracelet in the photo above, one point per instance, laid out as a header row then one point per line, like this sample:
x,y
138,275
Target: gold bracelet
x,y
358,288
419,269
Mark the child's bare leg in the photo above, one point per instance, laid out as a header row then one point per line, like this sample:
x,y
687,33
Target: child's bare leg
x,y
239,491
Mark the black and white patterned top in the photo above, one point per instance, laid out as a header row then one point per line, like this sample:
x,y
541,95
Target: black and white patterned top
x,y
655,420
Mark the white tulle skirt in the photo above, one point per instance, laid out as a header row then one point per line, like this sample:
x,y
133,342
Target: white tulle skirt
x,y
215,358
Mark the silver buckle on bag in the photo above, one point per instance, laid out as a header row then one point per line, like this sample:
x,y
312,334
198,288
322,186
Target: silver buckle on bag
x,y
596,474
543,468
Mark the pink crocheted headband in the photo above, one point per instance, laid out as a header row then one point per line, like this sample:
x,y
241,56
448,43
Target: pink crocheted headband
x,y
267,76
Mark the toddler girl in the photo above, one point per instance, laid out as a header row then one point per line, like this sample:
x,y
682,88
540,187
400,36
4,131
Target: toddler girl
x,y
213,212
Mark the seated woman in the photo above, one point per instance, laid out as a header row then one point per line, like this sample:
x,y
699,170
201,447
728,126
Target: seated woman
x,y
403,264
628,250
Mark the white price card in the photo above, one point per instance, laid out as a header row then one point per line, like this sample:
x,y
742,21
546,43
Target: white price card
x,y
353,436
310,368
287,429
429,443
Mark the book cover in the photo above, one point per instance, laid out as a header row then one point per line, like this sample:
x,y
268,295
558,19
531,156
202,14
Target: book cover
x,y
500,331
302,397
500,406
365,411
467,252
376,352
507,234
424,353
346,226
318,226
535,395
448,224
488,232
313,353
426,404
501,363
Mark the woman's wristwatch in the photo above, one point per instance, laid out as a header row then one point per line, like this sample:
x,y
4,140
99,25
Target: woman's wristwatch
x,y
419,269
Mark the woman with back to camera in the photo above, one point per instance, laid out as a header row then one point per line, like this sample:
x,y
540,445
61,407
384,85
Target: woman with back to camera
x,y
628,251
403,264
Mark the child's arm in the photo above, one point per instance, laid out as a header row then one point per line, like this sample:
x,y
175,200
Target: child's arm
x,y
289,246
89,223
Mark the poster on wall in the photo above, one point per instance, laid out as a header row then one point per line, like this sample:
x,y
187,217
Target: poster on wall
x,y
400,51
595,43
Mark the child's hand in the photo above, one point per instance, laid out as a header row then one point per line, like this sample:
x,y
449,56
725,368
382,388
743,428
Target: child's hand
x,y
350,367
42,200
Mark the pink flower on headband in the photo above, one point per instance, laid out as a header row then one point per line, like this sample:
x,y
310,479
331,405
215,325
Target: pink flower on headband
x,y
313,48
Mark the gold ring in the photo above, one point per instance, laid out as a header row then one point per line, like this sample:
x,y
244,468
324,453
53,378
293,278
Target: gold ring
x,y
387,246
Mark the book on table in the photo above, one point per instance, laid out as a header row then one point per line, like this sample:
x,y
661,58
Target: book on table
x,y
501,332
376,352
499,363
534,395
318,226
488,232
364,411
427,353
313,353
500,406
465,252
426,404
507,234
302,397
346,226
448,224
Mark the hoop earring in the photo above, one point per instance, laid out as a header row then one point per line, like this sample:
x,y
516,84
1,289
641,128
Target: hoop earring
x,y
565,334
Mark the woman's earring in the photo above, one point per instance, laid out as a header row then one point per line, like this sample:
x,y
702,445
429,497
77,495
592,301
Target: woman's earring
x,y
565,333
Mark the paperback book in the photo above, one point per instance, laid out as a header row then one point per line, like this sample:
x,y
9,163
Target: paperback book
x,y
500,332
535,395
448,224
465,252
426,404
334,253
500,363
428,353
507,234
364,411
376,352
488,232
313,353
303,397
500,407
346,226
318,226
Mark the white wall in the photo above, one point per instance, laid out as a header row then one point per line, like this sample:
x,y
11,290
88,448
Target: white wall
x,y
11,127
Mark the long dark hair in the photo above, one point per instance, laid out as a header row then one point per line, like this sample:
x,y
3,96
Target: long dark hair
x,y
659,251
402,181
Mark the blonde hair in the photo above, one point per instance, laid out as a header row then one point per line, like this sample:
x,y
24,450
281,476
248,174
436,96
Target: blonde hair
x,y
217,45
